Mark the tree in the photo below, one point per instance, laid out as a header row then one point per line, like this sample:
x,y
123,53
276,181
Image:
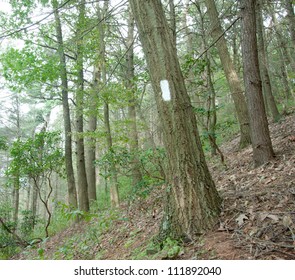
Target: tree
x,y
114,192
232,77
291,20
81,170
263,65
193,202
66,110
260,137
130,86
37,159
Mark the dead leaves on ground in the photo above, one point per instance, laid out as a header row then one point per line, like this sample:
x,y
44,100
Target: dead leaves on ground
x,y
259,204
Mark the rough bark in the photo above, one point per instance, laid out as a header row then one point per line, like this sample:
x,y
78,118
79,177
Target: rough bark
x,y
263,64
192,200
232,77
72,193
261,142
81,170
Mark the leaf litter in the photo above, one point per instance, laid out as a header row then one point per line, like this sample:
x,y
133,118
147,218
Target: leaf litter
x,y
257,219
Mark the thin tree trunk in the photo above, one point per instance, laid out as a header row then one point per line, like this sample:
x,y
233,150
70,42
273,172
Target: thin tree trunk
x,y
81,170
211,106
232,77
212,116
172,19
133,138
263,65
114,190
90,148
291,20
192,199
34,200
16,185
261,142
72,193
288,57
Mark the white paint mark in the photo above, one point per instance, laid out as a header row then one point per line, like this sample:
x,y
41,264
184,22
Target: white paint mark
x,y
166,95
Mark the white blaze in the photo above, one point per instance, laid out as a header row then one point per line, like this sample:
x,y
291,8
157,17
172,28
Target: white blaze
x,y
166,95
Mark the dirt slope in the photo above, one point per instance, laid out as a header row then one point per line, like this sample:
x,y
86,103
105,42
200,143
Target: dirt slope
x,y
257,220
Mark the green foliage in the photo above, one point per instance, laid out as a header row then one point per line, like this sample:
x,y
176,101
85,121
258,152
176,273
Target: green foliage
x,y
3,143
153,161
74,214
118,156
193,65
28,222
8,245
28,67
36,156
168,249
172,247
80,246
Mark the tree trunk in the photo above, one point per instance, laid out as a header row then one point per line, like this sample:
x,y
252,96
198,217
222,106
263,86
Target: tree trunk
x,y
263,64
133,136
230,73
90,148
193,202
261,142
291,20
81,170
72,193
34,200
16,185
211,108
114,190
172,19
283,44
210,122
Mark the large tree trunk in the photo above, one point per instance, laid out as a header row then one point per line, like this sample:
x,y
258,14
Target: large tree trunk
x,y
232,77
81,170
72,193
193,202
261,142
133,136
263,64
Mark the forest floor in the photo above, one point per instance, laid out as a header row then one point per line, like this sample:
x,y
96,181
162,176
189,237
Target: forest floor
x,y
257,219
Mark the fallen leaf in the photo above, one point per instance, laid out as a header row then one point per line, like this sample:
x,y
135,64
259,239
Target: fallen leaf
x,y
273,217
287,221
241,218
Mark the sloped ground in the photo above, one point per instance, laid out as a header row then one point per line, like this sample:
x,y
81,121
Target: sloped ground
x,y
259,204
257,220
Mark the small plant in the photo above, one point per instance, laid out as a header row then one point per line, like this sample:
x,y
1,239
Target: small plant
x,y
28,223
172,247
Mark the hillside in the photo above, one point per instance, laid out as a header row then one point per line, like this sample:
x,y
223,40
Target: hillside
x,y
257,219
